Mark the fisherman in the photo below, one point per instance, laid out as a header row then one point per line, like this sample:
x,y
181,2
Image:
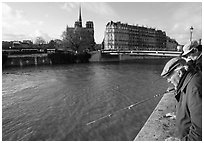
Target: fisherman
x,y
192,51
188,86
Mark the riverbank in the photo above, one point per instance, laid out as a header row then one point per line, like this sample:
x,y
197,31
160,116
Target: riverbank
x,y
160,124
20,60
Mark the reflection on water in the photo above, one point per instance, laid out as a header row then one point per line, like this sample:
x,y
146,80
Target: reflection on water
x,y
58,101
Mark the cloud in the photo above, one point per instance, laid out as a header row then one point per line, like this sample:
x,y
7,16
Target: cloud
x,y
46,15
186,16
39,22
13,23
12,18
176,20
16,27
39,33
99,8
20,37
68,6
13,37
15,18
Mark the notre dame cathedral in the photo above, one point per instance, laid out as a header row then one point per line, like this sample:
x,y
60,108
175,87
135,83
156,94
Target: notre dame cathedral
x,y
80,38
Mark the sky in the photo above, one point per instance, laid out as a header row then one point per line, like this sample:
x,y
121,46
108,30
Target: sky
x,y
27,20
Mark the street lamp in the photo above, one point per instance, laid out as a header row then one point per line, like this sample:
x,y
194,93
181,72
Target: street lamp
x,y
191,33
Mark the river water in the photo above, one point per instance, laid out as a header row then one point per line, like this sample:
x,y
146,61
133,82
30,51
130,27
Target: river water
x,y
56,102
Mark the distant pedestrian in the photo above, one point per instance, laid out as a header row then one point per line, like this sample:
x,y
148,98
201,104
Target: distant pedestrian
x,y
188,85
193,51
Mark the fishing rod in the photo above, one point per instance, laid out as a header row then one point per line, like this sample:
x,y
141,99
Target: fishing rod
x,y
129,107
127,98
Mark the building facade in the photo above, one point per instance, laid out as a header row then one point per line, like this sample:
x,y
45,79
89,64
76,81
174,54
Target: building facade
x,y
80,38
171,44
120,36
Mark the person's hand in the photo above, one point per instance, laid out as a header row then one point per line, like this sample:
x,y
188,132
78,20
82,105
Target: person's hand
x,y
172,139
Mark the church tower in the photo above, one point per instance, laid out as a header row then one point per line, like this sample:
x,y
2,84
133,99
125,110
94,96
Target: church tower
x,y
79,22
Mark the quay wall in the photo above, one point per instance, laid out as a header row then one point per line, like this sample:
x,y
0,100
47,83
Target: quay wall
x,y
96,56
124,57
158,127
27,60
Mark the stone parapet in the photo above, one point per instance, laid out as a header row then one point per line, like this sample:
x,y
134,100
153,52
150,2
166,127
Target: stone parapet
x,y
160,126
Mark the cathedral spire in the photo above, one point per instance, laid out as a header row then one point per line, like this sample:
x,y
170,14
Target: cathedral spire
x,y
80,19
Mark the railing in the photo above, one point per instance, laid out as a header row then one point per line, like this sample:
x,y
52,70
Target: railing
x,y
140,52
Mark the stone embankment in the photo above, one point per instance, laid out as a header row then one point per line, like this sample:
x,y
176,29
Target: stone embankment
x,y
27,60
161,123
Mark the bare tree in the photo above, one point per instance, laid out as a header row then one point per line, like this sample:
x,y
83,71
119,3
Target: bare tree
x,y
72,38
40,40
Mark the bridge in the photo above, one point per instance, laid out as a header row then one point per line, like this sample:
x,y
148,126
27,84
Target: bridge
x,y
116,55
143,53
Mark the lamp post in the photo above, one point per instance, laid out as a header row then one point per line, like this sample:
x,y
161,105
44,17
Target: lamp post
x,y
191,33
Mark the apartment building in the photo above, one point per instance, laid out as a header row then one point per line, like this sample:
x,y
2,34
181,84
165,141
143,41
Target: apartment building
x,y
122,36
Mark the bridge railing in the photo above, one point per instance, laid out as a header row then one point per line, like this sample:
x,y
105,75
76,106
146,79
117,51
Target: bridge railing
x,y
142,52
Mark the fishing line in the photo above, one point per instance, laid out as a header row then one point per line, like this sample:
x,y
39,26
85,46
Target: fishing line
x,y
126,97
128,107
115,88
123,95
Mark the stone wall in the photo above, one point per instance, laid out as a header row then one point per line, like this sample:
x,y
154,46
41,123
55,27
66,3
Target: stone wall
x,y
27,60
160,126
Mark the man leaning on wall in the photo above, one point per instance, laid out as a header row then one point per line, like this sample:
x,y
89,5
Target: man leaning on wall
x,y
188,85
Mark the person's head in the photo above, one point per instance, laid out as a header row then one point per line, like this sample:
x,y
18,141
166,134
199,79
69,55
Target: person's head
x,y
192,50
174,70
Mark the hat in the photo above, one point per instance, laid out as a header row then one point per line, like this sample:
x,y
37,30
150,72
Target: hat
x,y
189,47
171,65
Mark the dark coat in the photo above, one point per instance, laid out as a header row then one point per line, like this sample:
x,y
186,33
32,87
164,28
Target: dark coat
x,y
198,63
189,107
